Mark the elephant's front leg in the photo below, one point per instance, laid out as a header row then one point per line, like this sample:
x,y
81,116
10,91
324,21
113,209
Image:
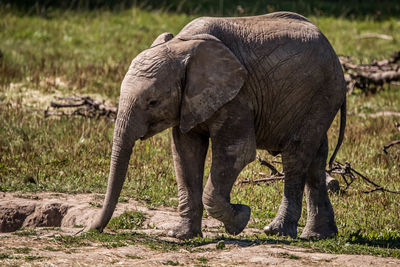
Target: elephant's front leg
x,y
189,151
230,154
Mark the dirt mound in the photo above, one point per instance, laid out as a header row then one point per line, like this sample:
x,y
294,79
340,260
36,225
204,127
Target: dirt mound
x,y
69,211
15,216
55,210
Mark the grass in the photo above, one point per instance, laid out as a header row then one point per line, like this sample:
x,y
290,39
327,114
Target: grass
x,y
127,220
26,258
288,256
172,263
133,257
202,260
88,52
22,250
26,232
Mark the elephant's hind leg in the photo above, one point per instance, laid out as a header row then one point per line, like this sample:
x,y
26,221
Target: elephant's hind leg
x,y
296,159
285,222
189,152
320,215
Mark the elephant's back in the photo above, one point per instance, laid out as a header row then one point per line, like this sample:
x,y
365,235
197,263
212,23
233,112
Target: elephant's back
x,y
290,64
254,30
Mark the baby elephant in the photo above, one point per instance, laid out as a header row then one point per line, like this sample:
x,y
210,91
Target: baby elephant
x,y
271,82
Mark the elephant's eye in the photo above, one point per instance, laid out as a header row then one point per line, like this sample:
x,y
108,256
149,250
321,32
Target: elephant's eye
x,y
153,103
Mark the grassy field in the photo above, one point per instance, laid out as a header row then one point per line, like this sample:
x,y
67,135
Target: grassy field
x,y
88,52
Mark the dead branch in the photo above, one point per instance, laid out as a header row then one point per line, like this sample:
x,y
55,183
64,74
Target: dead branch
x,y
380,114
393,143
349,175
375,35
262,180
371,77
331,183
274,171
82,106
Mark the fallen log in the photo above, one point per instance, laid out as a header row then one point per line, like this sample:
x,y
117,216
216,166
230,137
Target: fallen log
x,y
371,77
83,106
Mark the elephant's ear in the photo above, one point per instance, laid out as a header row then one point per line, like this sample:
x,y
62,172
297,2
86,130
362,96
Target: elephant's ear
x,y
162,38
214,76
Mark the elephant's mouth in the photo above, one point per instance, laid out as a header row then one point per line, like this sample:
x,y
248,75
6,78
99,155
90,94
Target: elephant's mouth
x,y
145,137
150,132
155,128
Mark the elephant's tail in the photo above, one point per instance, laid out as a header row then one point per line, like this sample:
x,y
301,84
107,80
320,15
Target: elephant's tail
x,y
341,132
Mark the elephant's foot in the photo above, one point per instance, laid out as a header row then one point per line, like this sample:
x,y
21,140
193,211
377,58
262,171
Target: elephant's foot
x,y
185,230
240,219
281,227
319,230
96,225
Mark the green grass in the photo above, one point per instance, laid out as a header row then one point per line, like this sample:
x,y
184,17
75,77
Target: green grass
x,y
127,220
90,51
22,250
26,232
202,260
5,256
26,258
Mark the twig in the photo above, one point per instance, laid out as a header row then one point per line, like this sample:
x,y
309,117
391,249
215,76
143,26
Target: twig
x,y
345,173
262,180
331,183
274,171
393,143
348,174
347,170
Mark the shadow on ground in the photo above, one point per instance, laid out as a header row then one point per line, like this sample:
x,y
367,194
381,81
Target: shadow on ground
x,y
383,240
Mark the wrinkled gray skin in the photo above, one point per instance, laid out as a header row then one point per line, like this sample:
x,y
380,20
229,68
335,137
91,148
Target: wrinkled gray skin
x,y
271,82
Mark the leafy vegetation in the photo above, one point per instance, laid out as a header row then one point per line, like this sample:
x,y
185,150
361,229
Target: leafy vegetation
x,y
46,52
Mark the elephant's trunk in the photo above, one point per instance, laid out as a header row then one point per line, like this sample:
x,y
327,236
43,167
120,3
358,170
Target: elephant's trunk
x,y
123,142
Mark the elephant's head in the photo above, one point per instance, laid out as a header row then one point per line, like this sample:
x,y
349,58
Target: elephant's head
x,y
174,82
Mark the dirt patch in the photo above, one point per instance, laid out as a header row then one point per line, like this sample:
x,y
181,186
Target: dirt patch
x,y
70,212
22,94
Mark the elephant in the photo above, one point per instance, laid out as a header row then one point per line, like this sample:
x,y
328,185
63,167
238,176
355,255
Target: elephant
x,y
269,82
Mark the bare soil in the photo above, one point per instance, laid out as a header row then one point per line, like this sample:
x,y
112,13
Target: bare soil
x,y
54,214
